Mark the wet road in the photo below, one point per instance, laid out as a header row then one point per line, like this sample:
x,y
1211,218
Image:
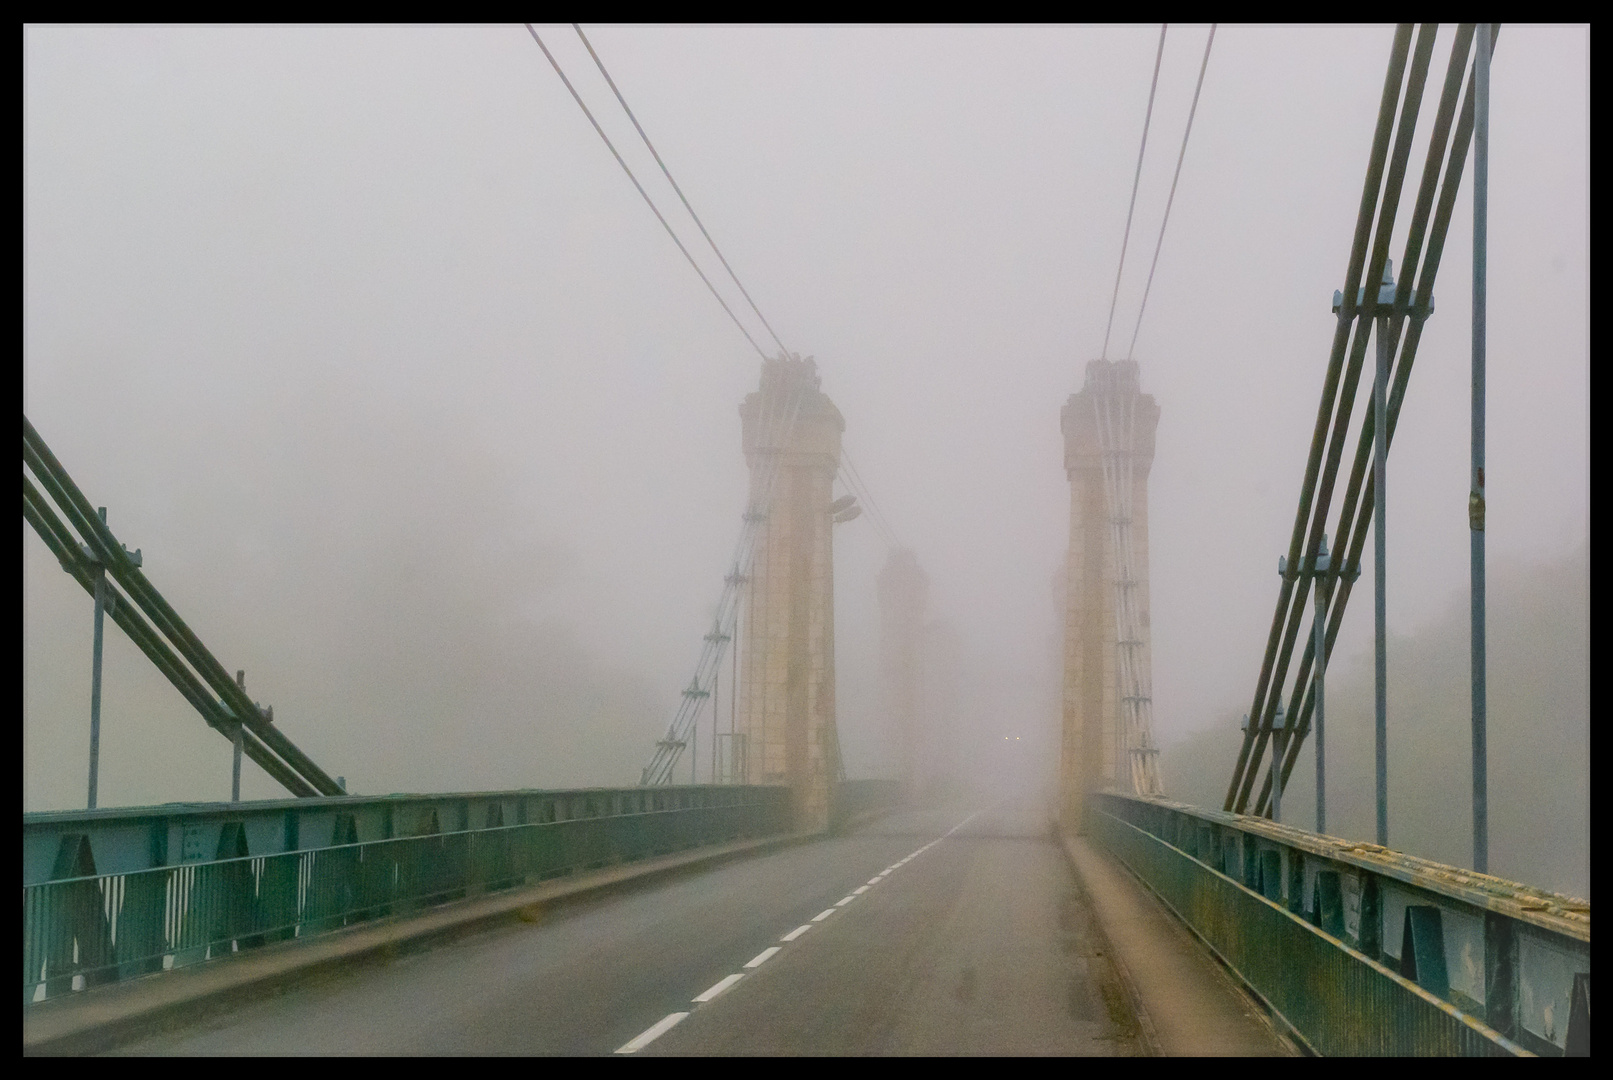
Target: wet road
x,y
932,932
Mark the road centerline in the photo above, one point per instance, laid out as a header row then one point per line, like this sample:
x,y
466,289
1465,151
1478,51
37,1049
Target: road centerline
x,y
717,988
723,985
763,957
655,1031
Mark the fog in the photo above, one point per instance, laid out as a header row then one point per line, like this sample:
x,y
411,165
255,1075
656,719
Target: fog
x,y
420,419
1539,682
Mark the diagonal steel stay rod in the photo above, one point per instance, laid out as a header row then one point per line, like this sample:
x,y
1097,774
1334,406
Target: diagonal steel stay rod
x,y
1360,491
38,513
1410,108
1254,741
1448,193
124,612
164,618
1409,263
1402,303
1393,186
105,549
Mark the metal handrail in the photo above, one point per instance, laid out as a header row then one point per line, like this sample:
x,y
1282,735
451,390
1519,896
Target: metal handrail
x,y
86,928
1359,949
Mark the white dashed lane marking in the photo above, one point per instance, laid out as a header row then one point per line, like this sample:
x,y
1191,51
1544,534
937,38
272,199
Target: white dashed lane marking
x,y
717,989
670,1021
762,957
659,1028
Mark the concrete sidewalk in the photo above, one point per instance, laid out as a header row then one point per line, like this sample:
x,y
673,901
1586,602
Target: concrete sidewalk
x,y
98,1019
1188,1004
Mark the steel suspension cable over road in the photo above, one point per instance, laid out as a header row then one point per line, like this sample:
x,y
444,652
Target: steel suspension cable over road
x,y
646,196
668,173
1136,178
777,431
854,478
668,750
1160,243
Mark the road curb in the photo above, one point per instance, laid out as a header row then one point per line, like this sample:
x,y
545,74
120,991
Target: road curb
x,y
100,1019
1222,1017
1147,1033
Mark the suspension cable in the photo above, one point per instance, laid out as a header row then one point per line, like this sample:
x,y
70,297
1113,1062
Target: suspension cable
x,y
658,216
854,480
1137,176
669,749
1178,175
668,172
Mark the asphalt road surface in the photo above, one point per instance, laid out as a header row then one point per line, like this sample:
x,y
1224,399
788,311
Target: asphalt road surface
x,y
932,932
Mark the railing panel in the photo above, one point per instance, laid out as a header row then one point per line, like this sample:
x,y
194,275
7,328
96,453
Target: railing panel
x,y
1358,949
93,928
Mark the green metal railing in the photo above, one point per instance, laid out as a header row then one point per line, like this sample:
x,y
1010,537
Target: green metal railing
x,y
1360,950
95,928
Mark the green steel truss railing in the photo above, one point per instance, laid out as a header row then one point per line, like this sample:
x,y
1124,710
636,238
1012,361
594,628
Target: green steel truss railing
x,y
1360,950
81,927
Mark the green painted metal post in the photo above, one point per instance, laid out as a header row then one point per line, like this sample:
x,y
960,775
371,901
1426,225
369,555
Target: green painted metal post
x,y
95,676
1380,671
240,738
1475,499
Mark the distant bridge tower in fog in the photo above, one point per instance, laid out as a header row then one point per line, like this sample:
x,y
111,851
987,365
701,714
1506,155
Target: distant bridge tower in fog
x,y
1108,448
904,590
787,679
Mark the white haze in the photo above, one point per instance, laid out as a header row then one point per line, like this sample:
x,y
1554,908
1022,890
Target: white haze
x,y
419,418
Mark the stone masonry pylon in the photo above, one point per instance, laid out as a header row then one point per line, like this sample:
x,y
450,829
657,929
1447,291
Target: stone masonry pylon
x,y
1095,751
787,680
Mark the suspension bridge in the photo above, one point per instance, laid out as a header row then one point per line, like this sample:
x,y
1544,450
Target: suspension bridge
x,y
782,908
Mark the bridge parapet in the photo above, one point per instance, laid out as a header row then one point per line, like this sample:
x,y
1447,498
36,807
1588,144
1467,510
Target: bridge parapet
x,y
1358,949
115,894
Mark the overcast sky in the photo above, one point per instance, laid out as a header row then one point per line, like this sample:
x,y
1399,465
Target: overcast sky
x,y
365,340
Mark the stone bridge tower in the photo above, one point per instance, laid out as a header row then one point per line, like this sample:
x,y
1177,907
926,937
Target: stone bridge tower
x,y
1096,738
786,700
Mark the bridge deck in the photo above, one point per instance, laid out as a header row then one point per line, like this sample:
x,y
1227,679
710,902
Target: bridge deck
x,y
981,943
